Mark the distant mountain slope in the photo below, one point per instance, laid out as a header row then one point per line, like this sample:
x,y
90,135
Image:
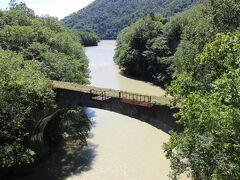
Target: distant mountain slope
x,y
107,17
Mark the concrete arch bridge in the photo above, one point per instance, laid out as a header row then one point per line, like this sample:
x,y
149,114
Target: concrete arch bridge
x,y
150,109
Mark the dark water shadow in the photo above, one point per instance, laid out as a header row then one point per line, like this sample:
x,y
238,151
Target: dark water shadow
x,y
68,160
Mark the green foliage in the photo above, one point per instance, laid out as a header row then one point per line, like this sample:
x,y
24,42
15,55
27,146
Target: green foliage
x,y
219,57
57,49
24,94
18,15
209,146
31,49
224,14
16,38
107,18
193,31
88,39
198,26
143,51
62,67
170,50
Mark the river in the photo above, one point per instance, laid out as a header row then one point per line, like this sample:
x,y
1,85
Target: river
x,y
119,147
125,148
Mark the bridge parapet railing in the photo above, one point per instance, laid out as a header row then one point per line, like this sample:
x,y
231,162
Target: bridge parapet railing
x,y
137,99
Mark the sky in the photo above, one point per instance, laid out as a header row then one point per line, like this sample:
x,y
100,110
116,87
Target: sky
x,y
55,8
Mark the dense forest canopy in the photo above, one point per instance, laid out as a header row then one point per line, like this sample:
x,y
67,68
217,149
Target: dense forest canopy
x,y
45,41
107,18
209,147
34,51
196,54
142,50
23,93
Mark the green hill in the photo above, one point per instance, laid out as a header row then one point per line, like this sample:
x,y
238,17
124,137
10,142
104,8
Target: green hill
x,y
108,17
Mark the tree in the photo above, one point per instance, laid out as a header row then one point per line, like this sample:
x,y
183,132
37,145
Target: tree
x,y
209,146
224,14
56,48
143,51
24,96
88,39
33,49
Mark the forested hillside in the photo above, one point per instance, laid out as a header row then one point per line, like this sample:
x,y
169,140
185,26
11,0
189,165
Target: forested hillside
x,y
107,17
33,51
196,54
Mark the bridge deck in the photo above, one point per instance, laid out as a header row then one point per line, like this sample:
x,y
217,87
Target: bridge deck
x,y
161,100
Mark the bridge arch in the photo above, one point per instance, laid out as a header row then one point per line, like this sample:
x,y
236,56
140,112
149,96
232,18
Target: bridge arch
x,y
159,116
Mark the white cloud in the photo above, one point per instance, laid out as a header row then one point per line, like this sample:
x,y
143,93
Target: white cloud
x,y
56,8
